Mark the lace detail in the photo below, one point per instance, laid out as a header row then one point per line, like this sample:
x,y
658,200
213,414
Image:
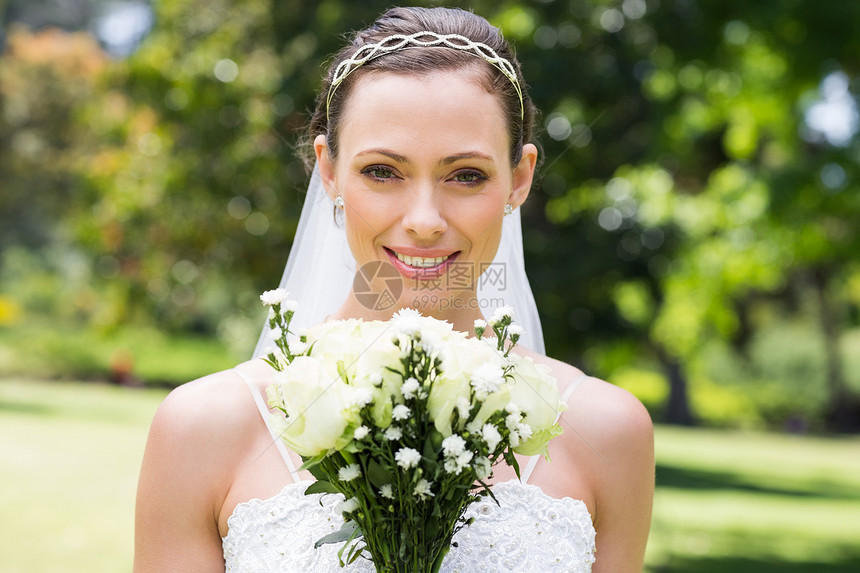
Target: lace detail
x,y
528,532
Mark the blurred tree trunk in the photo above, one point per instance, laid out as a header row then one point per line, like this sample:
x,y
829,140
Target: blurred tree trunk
x,y
678,410
842,413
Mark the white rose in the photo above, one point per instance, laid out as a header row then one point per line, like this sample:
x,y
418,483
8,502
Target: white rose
x,y
535,393
319,416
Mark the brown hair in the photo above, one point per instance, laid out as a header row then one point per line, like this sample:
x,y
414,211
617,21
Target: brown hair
x,y
425,60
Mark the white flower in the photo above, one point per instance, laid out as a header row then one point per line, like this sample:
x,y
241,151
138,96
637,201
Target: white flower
x,y
453,445
347,505
273,297
525,431
512,421
387,491
480,323
464,458
318,407
375,378
407,458
463,407
361,397
275,333
409,388
393,433
452,467
483,468
422,489
349,473
361,432
486,379
289,306
401,412
501,313
298,347
491,435
512,408
515,330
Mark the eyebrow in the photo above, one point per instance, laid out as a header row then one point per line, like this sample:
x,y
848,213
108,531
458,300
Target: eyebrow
x,y
444,161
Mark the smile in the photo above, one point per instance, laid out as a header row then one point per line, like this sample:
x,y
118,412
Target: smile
x,y
420,262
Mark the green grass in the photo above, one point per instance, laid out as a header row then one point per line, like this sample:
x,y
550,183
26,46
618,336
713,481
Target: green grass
x,y
62,350
726,501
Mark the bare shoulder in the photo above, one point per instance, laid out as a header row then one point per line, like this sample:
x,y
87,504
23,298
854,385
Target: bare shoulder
x,y
610,415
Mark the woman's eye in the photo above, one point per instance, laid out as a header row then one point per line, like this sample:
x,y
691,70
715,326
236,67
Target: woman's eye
x,y
469,177
377,172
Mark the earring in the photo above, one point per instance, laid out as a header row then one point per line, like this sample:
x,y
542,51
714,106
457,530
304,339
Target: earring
x,y
508,208
338,202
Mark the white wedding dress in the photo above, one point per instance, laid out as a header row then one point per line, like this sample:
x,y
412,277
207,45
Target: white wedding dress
x,y
528,531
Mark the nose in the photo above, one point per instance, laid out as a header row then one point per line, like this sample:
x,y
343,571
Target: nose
x,y
423,216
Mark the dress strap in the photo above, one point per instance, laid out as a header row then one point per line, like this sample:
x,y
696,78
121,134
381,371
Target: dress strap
x,y
565,396
264,412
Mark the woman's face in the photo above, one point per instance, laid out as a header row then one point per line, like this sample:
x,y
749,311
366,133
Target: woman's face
x,y
424,169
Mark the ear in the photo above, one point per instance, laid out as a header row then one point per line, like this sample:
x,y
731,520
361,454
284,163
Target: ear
x,y
325,165
523,175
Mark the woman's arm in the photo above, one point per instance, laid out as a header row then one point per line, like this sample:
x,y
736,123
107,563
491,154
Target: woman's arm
x,y
183,480
622,436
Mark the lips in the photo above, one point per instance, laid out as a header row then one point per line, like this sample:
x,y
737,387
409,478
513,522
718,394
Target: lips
x,y
420,267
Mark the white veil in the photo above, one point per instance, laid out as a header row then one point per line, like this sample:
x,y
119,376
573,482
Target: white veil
x,y
320,271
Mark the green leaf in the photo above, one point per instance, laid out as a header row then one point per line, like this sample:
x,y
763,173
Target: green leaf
x,y
348,531
321,486
377,474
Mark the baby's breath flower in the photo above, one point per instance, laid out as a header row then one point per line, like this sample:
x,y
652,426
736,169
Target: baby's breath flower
x,y
298,347
347,505
486,379
515,330
393,433
289,306
387,491
361,397
464,458
401,412
273,297
407,458
453,445
275,333
491,435
361,432
483,468
349,473
375,378
409,388
501,314
422,489
452,467
512,408
525,431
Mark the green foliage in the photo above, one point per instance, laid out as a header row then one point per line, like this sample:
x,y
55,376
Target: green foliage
x,y
683,197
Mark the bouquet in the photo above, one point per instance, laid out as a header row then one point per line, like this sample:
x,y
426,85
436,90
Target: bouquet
x,y
406,419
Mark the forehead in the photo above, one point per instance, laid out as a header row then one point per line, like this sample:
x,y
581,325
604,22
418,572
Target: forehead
x,y
440,107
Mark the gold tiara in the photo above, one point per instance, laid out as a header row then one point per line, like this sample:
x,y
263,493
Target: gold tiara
x,y
397,42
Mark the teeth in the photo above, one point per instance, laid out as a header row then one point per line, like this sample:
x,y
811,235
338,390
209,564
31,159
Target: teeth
x,y
420,262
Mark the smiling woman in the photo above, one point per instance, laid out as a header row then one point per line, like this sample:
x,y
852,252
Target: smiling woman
x,y
420,197
422,143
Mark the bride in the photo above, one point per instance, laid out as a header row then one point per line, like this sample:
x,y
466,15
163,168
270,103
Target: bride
x,y
422,142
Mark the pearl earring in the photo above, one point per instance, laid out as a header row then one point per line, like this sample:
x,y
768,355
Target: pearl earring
x,y
338,202
508,208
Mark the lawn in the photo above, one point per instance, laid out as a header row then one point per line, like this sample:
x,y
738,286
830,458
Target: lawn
x,y
726,501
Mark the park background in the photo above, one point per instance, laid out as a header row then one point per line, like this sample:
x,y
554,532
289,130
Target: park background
x,y
693,236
